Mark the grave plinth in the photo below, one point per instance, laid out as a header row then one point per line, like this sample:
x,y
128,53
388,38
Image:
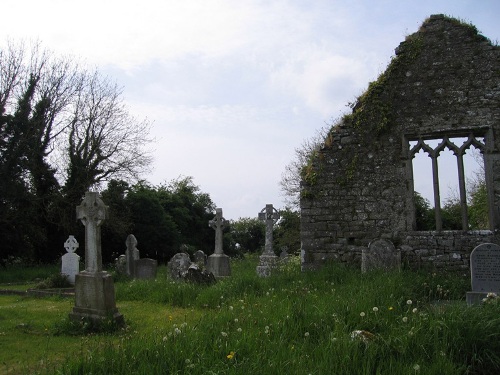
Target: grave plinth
x,y
268,260
218,263
485,272
94,288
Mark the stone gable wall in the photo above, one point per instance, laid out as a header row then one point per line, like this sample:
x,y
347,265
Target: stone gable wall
x,y
444,80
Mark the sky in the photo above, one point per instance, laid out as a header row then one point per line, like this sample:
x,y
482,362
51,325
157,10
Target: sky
x,y
233,87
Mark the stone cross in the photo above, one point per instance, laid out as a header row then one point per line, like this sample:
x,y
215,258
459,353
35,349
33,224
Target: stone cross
x,y
71,244
218,223
269,215
92,212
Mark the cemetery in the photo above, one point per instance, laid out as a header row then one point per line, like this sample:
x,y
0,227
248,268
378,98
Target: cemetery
x,y
366,292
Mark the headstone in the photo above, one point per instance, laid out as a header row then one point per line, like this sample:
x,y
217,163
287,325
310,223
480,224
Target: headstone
x,y
121,264
196,275
94,288
70,262
218,262
200,258
380,254
268,260
178,266
485,272
145,268
131,254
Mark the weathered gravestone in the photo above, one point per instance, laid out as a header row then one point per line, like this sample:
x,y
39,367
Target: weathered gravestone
x,y
70,262
269,215
178,266
94,288
200,258
381,254
485,272
218,262
145,268
131,254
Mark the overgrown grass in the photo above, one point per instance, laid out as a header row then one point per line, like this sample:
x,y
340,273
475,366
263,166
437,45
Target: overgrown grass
x,y
20,273
334,321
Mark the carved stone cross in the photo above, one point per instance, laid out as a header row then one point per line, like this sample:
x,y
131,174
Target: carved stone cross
x,y
71,244
92,212
269,215
218,223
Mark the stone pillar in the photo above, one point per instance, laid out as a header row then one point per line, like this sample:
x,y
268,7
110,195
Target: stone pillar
x,y
269,215
94,288
218,262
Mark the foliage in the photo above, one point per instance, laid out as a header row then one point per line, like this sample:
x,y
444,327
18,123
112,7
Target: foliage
x,y
56,280
162,218
287,232
392,323
246,235
63,130
424,214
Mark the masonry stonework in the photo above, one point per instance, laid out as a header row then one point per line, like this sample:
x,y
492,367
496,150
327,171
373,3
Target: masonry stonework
x,y
443,82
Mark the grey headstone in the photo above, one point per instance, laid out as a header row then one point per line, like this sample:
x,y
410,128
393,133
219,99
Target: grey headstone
x,y
146,268
381,254
121,264
178,265
268,260
485,272
198,276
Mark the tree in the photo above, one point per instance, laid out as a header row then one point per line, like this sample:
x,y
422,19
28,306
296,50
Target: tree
x,y
291,177
424,214
287,231
63,130
246,235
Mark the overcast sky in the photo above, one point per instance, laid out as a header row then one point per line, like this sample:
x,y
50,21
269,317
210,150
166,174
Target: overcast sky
x,y
232,87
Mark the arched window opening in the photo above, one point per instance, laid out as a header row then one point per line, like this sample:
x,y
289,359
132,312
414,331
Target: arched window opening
x,y
449,186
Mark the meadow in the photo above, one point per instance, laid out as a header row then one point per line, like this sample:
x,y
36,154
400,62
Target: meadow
x,y
333,321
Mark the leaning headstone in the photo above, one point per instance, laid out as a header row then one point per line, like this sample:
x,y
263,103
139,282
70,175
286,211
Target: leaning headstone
x,y
178,266
145,268
218,262
70,262
94,288
380,254
485,272
268,260
200,258
131,254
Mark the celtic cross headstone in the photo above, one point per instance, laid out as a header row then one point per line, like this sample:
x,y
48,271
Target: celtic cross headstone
x,y
270,216
218,262
218,223
70,262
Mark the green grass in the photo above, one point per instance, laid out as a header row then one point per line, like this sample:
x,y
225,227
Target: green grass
x,y
290,323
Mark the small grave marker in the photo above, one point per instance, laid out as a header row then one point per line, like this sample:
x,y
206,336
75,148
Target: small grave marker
x,y
381,254
70,262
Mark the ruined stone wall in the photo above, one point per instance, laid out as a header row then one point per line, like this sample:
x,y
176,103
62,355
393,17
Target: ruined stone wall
x,y
444,80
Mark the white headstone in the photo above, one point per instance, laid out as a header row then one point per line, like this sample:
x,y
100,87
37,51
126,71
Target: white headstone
x,y
70,262
485,272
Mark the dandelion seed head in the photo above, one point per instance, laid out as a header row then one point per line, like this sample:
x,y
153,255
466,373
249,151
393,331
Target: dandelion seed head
x,y
409,302
306,334
405,319
362,314
375,309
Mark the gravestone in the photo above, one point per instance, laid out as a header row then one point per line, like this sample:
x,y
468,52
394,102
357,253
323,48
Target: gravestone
x,y
218,262
145,268
200,258
269,215
94,288
178,266
131,254
70,262
121,264
485,272
380,254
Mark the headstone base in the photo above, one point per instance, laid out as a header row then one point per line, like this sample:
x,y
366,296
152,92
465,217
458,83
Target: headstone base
x,y
475,298
219,265
266,264
95,298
